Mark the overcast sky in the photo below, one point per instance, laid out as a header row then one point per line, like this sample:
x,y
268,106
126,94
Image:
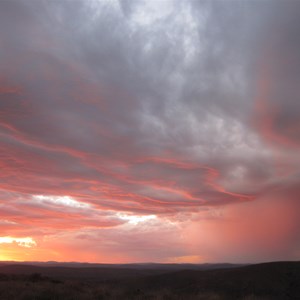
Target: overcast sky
x,y
138,131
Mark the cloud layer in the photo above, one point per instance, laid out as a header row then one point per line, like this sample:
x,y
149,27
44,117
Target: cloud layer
x,y
122,121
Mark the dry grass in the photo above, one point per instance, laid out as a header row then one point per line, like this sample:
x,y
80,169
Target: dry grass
x,y
49,290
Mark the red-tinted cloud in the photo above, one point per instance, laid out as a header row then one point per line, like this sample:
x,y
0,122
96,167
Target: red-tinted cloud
x,y
116,145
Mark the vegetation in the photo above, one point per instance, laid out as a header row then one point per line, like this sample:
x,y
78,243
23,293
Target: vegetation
x,y
278,281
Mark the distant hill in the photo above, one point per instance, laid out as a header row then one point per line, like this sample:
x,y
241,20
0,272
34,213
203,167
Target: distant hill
x,y
101,272
170,266
82,273
276,280
267,281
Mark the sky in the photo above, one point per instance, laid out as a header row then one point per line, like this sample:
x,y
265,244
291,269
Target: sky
x,y
149,131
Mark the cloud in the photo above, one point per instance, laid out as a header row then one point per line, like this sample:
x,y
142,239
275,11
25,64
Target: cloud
x,y
264,230
126,108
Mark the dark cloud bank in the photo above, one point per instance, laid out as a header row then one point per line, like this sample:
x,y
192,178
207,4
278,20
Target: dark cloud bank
x,y
149,108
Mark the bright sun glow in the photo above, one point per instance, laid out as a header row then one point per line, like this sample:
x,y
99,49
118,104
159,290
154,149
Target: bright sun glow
x,y
26,242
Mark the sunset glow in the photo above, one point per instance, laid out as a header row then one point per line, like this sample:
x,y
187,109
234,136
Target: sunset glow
x,y
23,242
149,131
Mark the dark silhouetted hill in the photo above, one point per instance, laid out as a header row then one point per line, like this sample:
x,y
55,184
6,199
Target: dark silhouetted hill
x,y
277,280
267,281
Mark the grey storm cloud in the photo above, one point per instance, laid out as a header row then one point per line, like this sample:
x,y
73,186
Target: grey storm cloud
x,y
147,107
101,79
